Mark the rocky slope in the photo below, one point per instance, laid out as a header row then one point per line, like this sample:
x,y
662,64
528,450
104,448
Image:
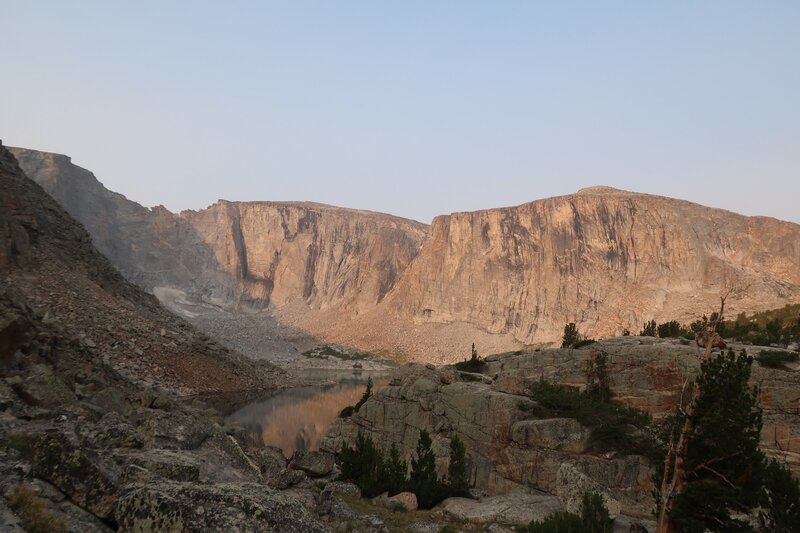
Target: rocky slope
x,y
603,258
509,449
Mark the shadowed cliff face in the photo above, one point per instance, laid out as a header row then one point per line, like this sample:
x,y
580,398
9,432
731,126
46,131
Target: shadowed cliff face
x,y
302,255
603,258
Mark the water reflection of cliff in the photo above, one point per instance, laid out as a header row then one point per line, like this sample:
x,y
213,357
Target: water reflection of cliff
x,y
298,419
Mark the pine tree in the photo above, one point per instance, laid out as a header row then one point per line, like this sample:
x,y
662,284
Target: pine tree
x,y
571,335
424,481
649,329
395,471
721,467
366,396
597,379
594,515
780,501
457,477
363,465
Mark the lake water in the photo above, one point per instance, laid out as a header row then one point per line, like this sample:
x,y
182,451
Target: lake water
x,y
298,418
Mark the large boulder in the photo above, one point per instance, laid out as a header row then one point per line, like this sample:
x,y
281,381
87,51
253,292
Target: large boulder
x,y
315,464
168,464
515,509
572,484
402,500
190,507
177,430
90,478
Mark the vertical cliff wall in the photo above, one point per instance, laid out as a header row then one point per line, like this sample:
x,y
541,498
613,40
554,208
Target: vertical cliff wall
x,y
603,258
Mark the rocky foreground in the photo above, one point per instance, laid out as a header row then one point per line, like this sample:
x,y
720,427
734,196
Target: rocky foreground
x,y
549,462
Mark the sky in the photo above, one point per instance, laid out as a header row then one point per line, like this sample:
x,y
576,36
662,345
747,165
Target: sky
x,y
415,108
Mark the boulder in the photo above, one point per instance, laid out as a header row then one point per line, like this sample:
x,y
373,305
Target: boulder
x,y
315,464
571,484
191,507
90,479
342,487
168,464
516,509
177,430
113,431
404,500
44,388
288,478
270,462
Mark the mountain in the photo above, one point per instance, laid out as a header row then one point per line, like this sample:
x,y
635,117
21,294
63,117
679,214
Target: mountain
x,y
602,258
49,269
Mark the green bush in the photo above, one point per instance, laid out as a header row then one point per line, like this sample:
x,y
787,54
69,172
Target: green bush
x,y
671,329
780,505
571,335
347,412
776,358
583,342
609,423
472,365
650,329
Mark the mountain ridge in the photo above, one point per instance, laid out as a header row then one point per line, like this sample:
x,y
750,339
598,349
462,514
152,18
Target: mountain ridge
x,y
604,258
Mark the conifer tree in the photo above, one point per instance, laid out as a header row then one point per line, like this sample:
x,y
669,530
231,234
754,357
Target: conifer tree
x,y
366,396
457,477
424,481
721,464
395,471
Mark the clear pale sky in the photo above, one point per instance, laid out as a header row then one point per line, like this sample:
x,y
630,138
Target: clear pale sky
x,y
415,108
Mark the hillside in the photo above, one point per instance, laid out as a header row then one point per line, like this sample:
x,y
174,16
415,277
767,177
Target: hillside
x,y
48,264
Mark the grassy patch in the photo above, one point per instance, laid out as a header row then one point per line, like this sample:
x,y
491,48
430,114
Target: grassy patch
x,y
33,512
612,425
399,521
776,358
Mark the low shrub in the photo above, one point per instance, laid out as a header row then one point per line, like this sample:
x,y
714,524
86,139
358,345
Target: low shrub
x,y
583,342
776,358
609,423
472,365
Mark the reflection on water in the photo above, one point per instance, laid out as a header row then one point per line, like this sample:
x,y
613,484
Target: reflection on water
x,y
297,419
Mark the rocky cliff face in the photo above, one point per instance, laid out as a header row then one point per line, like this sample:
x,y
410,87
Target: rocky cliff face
x,y
303,257
317,256
603,258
